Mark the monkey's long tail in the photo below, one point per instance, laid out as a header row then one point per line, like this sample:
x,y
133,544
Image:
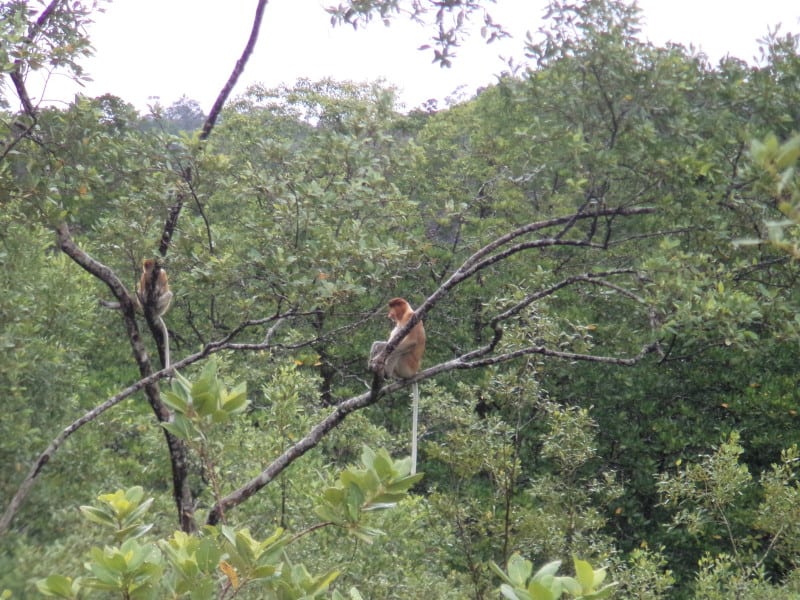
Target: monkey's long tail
x,y
166,342
414,419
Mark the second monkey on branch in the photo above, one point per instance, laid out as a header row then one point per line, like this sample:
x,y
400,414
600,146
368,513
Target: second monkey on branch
x,y
154,298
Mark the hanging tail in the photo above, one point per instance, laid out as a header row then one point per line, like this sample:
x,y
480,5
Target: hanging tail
x,y
414,419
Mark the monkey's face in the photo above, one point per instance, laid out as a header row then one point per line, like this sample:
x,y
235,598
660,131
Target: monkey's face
x,y
395,314
397,309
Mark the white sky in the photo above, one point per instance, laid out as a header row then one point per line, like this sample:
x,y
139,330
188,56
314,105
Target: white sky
x,y
170,48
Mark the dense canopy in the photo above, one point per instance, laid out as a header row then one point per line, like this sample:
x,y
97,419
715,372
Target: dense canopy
x,y
603,249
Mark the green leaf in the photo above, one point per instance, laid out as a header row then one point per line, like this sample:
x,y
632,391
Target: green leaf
x,y
264,571
246,546
519,570
405,483
322,583
605,592
365,534
235,401
101,516
375,506
183,428
208,555
539,591
550,569
175,402
510,593
498,571
584,574
134,531
354,498
56,585
138,512
367,456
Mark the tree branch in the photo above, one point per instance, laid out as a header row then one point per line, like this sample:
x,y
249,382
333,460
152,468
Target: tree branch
x,y
16,75
177,448
351,405
144,383
484,258
238,69
479,260
174,214
593,278
27,483
309,441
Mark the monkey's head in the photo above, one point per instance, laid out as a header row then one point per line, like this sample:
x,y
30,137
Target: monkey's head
x,y
398,307
152,265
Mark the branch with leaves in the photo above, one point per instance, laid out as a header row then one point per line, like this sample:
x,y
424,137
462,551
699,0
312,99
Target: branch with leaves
x,y
491,254
450,20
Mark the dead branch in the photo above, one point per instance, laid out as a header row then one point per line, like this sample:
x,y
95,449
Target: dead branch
x,y
45,457
238,69
478,358
471,360
309,441
17,76
175,211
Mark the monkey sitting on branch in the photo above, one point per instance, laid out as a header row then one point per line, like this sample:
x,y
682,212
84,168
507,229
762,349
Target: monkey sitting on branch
x,y
154,298
404,361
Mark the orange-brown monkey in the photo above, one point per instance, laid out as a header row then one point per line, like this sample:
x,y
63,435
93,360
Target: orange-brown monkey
x,y
154,295
405,360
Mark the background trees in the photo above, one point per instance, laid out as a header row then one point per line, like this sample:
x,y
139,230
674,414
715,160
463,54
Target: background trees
x,y
609,374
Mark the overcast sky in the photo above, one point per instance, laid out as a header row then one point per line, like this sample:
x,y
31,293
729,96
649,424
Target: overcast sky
x,y
170,48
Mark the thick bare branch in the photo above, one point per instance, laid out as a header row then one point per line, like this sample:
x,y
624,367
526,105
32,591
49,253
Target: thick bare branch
x,y
175,211
475,359
309,441
17,76
471,362
238,69
22,129
480,357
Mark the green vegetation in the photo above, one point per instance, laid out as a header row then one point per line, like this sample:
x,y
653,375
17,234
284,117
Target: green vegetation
x,y
604,251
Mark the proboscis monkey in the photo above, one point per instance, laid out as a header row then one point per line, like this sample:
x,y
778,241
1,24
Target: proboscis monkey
x,y
155,296
405,359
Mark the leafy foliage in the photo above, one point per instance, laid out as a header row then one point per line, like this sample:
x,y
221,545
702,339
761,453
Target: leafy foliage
x,y
522,584
604,252
221,561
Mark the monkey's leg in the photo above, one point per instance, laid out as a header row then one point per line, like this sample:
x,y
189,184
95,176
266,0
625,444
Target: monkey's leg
x,y
376,349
